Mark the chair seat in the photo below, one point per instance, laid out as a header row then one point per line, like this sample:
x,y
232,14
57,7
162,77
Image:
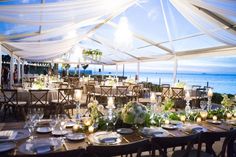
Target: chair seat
x,y
39,103
20,103
193,153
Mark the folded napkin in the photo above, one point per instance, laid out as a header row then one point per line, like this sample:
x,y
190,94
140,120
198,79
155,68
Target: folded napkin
x,y
8,134
193,128
43,148
152,131
108,138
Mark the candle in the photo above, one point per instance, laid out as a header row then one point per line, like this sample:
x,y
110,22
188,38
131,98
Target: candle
x,y
229,115
78,94
110,102
153,98
187,96
210,93
214,118
182,118
234,114
91,129
87,121
203,114
167,121
199,119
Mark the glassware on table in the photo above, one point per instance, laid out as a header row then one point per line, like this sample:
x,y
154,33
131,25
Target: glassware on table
x,y
53,121
203,105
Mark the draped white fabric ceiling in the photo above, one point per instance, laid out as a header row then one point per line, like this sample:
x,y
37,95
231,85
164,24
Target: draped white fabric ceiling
x,y
46,29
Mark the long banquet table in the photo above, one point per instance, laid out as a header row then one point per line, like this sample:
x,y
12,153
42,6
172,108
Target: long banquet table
x,y
69,145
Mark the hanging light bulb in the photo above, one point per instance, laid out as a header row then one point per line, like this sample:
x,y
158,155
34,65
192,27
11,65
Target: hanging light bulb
x,y
123,39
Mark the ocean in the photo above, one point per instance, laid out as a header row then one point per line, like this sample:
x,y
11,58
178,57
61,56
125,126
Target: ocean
x,y
221,83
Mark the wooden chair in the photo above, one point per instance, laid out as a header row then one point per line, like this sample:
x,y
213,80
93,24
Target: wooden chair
x,y
178,97
209,139
135,93
163,143
106,91
39,101
80,152
119,150
12,104
91,82
65,101
90,91
64,85
121,95
165,92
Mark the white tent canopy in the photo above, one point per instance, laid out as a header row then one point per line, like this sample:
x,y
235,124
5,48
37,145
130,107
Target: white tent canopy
x,y
42,30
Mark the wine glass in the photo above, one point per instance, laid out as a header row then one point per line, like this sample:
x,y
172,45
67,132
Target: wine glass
x,y
40,114
53,122
203,105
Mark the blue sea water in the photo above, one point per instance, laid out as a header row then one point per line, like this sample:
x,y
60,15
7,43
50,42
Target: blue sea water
x,y
221,83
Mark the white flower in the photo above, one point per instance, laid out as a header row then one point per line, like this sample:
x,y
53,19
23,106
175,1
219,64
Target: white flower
x,y
100,108
90,105
95,102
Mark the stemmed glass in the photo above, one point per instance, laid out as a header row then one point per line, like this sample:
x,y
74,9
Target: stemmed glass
x,y
203,105
30,124
188,112
53,122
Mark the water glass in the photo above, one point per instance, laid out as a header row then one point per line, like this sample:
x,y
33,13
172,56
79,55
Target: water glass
x,y
203,105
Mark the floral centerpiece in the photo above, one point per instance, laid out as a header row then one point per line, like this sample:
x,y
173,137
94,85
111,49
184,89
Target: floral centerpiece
x,y
134,113
95,110
226,102
168,104
180,84
38,84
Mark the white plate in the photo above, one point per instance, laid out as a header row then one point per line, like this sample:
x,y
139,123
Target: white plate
x,y
20,134
105,137
59,132
6,146
41,146
70,124
154,131
125,131
75,136
169,126
214,121
43,130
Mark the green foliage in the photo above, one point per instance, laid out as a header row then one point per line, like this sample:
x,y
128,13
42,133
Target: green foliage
x,y
85,66
220,113
65,66
227,102
174,116
168,104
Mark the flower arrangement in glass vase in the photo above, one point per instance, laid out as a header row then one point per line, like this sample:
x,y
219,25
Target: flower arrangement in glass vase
x,y
134,113
95,110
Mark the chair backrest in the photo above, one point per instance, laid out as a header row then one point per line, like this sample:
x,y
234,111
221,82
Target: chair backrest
x,y
121,91
64,85
91,82
122,149
162,143
165,85
106,91
10,96
136,90
80,152
90,89
39,97
65,96
165,92
196,86
214,136
177,93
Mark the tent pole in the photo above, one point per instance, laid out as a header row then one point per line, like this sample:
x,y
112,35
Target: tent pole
x,y
138,71
116,70
175,70
102,71
12,71
0,65
18,70
23,70
123,70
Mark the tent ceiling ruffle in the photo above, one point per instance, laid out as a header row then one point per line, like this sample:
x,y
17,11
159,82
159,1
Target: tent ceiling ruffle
x,y
46,31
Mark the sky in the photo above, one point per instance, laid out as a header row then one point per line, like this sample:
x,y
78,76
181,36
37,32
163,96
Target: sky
x,y
147,20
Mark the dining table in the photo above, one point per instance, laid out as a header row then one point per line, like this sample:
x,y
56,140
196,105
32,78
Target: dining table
x,y
125,138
